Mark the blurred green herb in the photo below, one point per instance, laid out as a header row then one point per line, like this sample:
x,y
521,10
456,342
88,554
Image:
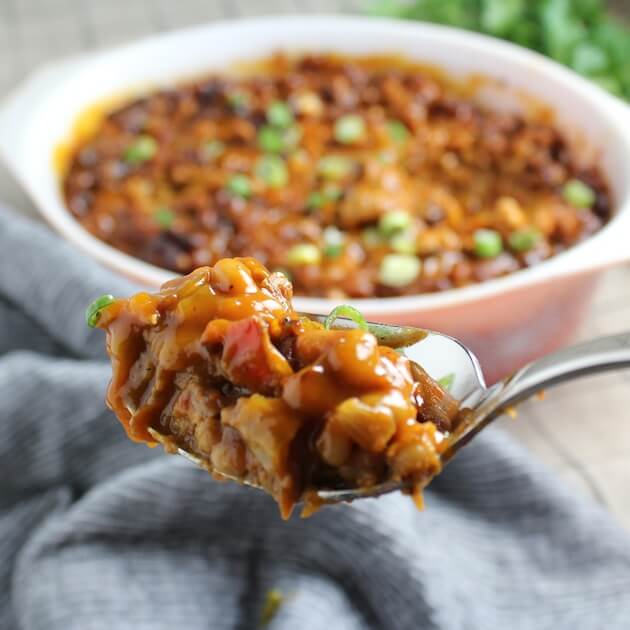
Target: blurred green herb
x,y
237,100
349,312
164,217
447,381
142,149
580,34
93,311
273,600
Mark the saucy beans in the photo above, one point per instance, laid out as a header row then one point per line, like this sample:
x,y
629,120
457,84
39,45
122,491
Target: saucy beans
x,y
356,178
219,364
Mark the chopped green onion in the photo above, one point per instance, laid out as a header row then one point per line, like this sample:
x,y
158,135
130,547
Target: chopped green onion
x,y
488,243
142,149
315,200
279,114
447,381
333,251
349,129
272,170
240,185
332,192
333,242
349,312
319,198
274,140
371,237
403,243
291,137
238,100
164,217
334,167
578,194
398,270
393,222
304,254
523,240
397,130
270,140
273,601
212,149
93,312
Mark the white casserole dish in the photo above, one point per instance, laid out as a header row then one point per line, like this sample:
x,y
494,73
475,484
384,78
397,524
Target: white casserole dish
x,y
508,320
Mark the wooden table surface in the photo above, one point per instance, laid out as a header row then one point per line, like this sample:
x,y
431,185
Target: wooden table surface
x,y
581,429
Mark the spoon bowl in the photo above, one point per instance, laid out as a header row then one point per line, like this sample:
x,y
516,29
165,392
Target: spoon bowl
x,y
442,356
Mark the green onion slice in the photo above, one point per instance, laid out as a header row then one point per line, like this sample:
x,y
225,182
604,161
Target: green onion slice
x,y
333,242
279,114
397,130
273,600
93,311
142,149
212,149
578,194
332,192
399,270
488,243
270,139
345,310
272,170
304,254
349,129
335,167
164,217
238,100
447,381
393,222
291,137
315,201
240,185
276,140
403,243
523,240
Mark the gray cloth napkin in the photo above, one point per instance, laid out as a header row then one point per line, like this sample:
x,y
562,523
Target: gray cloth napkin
x,y
99,533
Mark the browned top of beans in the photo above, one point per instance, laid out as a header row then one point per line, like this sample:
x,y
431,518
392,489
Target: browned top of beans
x,y
355,178
220,364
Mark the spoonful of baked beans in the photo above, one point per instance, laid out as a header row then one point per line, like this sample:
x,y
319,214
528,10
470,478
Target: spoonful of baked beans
x,y
218,367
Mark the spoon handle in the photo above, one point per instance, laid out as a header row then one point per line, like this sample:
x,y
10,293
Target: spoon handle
x,y
598,355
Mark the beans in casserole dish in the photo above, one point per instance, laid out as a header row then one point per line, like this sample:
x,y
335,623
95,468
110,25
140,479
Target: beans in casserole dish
x,y
356,177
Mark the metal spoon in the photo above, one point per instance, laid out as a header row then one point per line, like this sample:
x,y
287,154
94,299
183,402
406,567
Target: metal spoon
x,y
441,355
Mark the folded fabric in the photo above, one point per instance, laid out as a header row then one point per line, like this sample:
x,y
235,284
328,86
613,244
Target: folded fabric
x,y
99,533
